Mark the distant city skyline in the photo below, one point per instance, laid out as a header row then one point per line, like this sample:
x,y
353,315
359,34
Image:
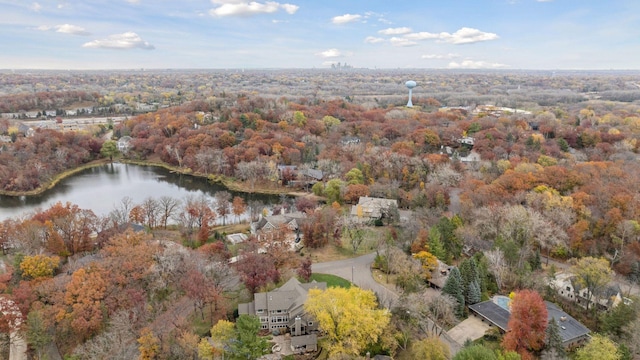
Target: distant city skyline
x,y
223,34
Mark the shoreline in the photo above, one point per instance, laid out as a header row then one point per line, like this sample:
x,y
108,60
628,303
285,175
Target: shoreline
x,y
227,182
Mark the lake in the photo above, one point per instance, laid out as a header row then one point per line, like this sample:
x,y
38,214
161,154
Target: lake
x,y
102,188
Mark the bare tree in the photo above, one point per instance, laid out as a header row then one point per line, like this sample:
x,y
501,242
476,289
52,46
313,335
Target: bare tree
x,y
151,207
223,209
497,265
168,207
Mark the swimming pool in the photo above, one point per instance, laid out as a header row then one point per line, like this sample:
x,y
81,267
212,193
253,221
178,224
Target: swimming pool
x,y
502,301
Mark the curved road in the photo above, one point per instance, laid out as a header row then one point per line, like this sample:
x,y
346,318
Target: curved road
x,y
358,270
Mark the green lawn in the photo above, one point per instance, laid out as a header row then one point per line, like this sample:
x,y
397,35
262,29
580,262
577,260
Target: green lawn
x,y
331,280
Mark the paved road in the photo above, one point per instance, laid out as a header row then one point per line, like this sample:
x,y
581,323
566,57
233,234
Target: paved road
x,y
358,270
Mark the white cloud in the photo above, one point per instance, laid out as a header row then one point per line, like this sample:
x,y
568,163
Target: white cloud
x,y
128,40
440,56
345,19
245,8
65,29
133,1
395,31
396,41
373,40
467,36
470,64
331,53
422,36
290,8
36,7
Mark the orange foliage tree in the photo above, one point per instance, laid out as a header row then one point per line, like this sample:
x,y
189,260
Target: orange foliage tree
x,y
527,324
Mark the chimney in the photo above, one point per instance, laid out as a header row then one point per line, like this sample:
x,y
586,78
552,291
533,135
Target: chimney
x,y
297,328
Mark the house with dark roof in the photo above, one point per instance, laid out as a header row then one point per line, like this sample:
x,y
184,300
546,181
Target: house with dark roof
x,y
282,310
496,313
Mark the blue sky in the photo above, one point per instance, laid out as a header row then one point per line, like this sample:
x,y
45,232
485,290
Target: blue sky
x,y
449,34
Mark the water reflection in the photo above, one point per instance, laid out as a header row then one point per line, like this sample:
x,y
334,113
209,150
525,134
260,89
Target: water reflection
x,y
102,188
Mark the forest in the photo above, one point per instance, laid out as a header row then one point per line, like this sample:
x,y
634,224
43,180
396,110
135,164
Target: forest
x,y
491,176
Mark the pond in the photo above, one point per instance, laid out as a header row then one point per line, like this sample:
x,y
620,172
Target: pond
x,y
102,188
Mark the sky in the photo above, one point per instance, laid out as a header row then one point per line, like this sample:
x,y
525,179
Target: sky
x,y
383,34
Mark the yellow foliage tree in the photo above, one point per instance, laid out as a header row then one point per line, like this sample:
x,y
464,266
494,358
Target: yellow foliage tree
x,y
39,266
429,263
349,317
149,345
431,348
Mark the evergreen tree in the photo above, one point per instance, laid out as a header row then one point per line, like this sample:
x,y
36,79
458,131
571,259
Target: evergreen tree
x,y
535,261
453,287
554,348
469,275
447,227
473,294
435,244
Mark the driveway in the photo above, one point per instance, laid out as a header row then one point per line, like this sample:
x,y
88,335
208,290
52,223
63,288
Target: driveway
x,y
471,328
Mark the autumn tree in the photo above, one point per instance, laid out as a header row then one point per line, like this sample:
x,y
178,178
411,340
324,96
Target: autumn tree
x,y
149,345
527,324
599,347
238,207
257,270
593,274
39,266
429,263
83,301
304,269
431,348
333,190
222,336
349,317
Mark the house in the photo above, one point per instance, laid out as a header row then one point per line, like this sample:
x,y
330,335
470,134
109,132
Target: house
x,y
268,227
124,144
369,208
439,275
282,310
350,140
496,313
568,288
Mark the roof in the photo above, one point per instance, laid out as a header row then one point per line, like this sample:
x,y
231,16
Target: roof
x,y
289,297
304,340
313,173
570,328
493,312
372,207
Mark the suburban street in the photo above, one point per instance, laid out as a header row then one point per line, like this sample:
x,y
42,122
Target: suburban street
x,y
358,271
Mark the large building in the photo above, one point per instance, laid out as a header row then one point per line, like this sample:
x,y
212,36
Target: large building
x,y
282,310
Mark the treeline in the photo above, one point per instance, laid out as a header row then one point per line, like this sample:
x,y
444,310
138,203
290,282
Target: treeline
x,y
48,100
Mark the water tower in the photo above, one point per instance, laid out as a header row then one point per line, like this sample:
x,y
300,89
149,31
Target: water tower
x,y
410,84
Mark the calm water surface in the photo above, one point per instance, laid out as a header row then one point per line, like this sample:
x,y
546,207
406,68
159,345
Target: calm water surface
x,y
102,188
